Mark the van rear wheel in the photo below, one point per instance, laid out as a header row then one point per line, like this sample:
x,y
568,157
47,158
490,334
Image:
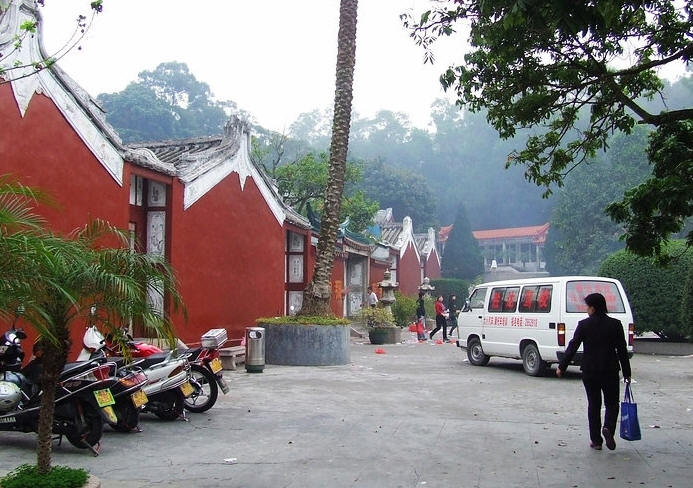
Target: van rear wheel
x,y
532,362
475,353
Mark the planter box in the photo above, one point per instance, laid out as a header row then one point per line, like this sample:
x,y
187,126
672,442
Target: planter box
x,y
307,345
385,335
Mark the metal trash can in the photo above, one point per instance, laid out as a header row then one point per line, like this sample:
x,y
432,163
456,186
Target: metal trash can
x,y
254,349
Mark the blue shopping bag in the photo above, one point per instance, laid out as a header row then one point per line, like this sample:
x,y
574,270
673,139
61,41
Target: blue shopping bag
x,y
630,427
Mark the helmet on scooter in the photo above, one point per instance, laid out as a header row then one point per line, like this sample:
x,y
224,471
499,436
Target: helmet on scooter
x,y
11,353
10,394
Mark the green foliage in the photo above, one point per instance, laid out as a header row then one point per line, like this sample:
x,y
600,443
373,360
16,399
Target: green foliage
x,y
27,476
581,234
655,293
403,310
360,210
377,317
407,193
451,286
542,64
659,207
303,320
166,103
304,181
687,306
462,258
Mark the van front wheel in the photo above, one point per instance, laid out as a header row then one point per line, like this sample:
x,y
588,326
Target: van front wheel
x,y
532,362
475,353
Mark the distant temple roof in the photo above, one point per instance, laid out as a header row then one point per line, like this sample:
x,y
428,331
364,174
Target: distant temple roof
x,y
537,233
444,233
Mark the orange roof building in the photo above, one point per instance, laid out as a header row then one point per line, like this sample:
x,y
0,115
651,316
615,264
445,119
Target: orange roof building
x,y
519,247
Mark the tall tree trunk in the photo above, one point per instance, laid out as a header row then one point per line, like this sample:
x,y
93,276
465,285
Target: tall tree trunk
x,y
316,298
53,360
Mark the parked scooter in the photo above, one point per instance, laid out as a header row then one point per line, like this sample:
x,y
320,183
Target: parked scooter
x,y
205,366
83,399
166,388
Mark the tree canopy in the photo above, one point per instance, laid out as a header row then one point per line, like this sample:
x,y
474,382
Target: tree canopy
x,y
538,64
304,181
166,103
581,234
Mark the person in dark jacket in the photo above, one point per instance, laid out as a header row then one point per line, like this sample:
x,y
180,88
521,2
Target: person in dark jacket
x,y
604,346
452,313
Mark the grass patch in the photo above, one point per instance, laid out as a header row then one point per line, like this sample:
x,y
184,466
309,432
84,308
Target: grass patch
x,y
27,476
299,319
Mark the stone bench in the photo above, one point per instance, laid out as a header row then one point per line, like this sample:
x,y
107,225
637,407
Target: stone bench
x,y
232,356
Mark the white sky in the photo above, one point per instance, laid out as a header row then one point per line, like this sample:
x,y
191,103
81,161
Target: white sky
x,y
274,58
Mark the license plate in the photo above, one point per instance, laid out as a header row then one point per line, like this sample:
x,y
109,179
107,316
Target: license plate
x,y
104,397
139,398
215,365
110,414
187,389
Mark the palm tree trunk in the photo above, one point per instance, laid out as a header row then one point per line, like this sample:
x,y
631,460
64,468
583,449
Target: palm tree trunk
x,y
316,298
53,362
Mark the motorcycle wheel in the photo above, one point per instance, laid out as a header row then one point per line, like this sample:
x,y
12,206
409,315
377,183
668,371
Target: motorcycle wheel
x,y
128,416
92,428
174,405
206,390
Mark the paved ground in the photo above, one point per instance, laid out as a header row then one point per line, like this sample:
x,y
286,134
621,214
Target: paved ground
x,y
418,416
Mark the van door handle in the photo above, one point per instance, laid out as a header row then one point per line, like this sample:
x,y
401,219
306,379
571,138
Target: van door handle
x,y
480,317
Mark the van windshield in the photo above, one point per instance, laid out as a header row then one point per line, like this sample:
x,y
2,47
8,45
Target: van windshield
x,y
576,292
478,298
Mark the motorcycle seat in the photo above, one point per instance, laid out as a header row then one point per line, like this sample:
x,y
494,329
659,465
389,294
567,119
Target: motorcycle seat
x,y
73,369
194,353
150,360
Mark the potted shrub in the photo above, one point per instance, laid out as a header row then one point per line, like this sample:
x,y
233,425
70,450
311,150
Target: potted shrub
x,y
381,325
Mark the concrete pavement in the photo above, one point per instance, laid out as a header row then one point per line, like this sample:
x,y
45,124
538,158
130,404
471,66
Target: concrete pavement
x,y
418,416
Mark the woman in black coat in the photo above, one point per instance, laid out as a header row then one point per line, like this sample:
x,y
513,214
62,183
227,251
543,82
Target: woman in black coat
x,y
605,349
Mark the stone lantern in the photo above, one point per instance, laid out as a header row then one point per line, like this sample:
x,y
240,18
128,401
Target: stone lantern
x,y
426,287
388,288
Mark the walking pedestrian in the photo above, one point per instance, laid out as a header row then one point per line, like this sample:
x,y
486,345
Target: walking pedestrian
x,y
420,318
452,313
604,347
440,319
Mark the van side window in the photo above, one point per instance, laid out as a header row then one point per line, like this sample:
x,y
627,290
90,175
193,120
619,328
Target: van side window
x,y
478,298
528,300
495,304
544,299
576,291
510,298
504,299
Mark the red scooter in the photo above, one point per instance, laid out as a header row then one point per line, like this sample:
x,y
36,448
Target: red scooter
x,y
205,365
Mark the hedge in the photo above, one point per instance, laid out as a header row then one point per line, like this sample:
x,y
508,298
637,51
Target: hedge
x,y
451,286
687,305
656,294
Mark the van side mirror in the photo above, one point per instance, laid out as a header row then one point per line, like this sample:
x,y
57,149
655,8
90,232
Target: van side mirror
x,y
467,306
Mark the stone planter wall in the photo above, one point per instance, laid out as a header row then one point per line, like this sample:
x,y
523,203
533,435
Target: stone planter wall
x,y
307,345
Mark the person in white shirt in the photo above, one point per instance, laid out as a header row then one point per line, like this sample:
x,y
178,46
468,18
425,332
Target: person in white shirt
x,y
372,298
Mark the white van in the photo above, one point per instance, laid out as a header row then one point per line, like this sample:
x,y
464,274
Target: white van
x,y
534,319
